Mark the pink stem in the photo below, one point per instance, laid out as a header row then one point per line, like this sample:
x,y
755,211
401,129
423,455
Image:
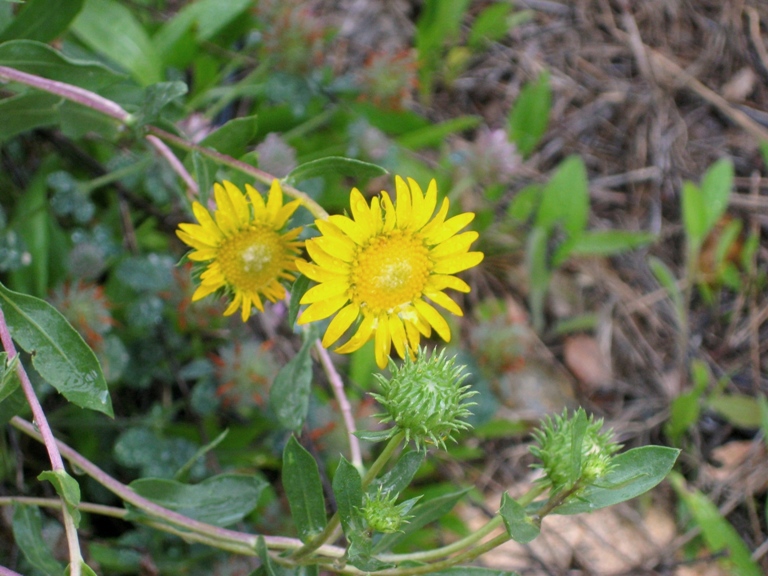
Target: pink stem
x,y
175,164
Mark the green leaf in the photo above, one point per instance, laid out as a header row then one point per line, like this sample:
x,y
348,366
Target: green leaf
x,y
289,394
529,117
268,568
374,435
579,427
9,380
438,24
184,470
422,515
300,285
127,44
222,500
435,134
668,281
205,175
42,20
694,214
156,97
348,491
67,488
85,570
334,165
27,111
304,490
565,199
401,474
59,353
12,405
27,532
636,471
764,152
538,273
490,25
520,526
685,409
609,242
525,203
739,409
233,137
715,189
718,533
42,60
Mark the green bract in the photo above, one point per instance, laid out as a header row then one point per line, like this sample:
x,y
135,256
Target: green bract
x,y
425,398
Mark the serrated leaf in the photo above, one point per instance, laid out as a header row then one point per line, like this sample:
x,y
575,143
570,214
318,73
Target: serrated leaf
x,y
422,515
289,394
529,117
636,471
304,490
67,488
127,44
27,532
520,526
42,20
42,60
348,491
27,111
233,137
59,353
336,165
222,500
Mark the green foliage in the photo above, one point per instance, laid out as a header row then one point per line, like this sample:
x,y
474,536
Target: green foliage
x,y
68,490
42,20
301,481
520,525
529,117
27,531
289,395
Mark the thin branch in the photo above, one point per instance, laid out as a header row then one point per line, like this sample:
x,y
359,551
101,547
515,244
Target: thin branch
x,y
57,464
175,164
346,409
8,572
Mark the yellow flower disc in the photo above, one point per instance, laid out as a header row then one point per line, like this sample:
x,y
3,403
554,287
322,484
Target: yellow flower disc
x,y
385,267
244,247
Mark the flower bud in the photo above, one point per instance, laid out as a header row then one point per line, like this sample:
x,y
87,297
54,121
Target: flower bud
x,y
383,515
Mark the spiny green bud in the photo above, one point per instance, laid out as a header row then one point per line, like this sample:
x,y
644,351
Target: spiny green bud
x,y
564,464
425,398
383,515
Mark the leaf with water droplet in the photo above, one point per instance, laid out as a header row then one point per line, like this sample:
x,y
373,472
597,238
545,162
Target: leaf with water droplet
x,y
58,352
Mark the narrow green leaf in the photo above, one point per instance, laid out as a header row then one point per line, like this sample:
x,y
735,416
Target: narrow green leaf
x,y
289,394
334,165
539,273
609,242
27,532
401,474
529,117
13,405
222,500
42,60
184,470
67,488
205,175
422,515
59,353
490,25
565,198
438,24
739,409
525,203
636,471
520,526
9,380
374,435
435,134
694,214
715,189
233,137
127,44
268,568
42,20
764,152
304,490
668,281
718,533
683,413
300,285
156,97
27,111
348,491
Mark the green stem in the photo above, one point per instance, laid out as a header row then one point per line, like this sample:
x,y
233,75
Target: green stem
x,y
259,175
115,175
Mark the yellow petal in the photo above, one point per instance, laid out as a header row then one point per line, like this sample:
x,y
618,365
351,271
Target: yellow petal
x,y
458,263
397,330
344,249
352,229
239,204
449,228
363,334
455,245
316,273
256,199
234,305
382,341
360,211
413,336
204,290
275,199
390,214
320,310
340,323
246,313
426,207
257,301
203,255
206,220
443,281
441,299
284,214
325,260
402,203
195,241
324,291
437,221
434,318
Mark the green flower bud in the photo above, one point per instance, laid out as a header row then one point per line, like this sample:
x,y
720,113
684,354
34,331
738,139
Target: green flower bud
x,y
425,399
564,465
383,515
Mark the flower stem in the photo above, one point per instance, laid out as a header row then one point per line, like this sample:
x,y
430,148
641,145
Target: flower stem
x,y
57,464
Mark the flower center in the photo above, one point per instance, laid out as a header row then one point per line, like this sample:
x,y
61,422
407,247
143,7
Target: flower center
x,y
251,259
391,270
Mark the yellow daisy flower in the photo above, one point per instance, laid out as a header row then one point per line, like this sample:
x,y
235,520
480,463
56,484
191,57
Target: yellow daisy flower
x,y
387,264
244,245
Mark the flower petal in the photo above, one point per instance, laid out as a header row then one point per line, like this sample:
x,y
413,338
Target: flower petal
x,y
382,341
352,229
434,318
458,263
340,323
325,260
443,281
402,203
397,330
455,245
363,334
320,310
426,208
324,291
449,228
441,299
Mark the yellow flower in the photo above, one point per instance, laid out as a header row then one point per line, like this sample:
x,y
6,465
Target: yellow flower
x,y
384,265
243,244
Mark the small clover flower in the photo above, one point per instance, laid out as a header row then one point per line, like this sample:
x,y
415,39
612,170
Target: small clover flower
x,y
425,398
567,468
